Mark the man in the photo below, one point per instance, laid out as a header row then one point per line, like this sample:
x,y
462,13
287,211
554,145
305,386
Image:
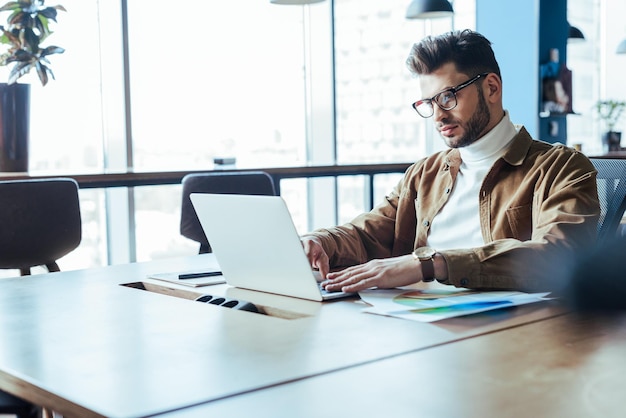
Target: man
x,y
497,210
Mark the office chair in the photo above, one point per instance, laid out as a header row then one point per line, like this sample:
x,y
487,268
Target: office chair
x,y
12,405
252,182
611,181
597,282
40,222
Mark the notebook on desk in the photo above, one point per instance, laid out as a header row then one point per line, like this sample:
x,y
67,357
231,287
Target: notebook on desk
x,y
257,246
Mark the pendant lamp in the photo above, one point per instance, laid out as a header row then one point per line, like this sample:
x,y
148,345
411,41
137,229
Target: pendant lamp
x,y
575,35
295,1
621,48
429,9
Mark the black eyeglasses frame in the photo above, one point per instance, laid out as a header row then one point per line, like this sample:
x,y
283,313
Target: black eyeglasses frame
x,y
452,90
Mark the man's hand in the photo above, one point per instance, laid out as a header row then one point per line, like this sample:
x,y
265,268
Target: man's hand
x,y
385,273
316,255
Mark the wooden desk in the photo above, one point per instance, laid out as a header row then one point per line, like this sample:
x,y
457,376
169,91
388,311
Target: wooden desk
x,y
566,366
81,343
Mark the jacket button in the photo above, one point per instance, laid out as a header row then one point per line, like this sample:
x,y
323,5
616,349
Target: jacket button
x,y
447,190
464,282
425,223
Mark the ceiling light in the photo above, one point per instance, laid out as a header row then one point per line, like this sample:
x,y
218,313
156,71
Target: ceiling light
x,y
429,9
295,1
575,35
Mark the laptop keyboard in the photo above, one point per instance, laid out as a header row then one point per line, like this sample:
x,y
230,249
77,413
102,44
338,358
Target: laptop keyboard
x,y
318,277
326,292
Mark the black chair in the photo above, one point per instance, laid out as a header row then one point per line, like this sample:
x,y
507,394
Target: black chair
x,y
40,222
252,182
12,405
598,281
611,181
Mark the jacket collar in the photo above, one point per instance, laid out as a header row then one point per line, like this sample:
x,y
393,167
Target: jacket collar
x,y
515,155
520,145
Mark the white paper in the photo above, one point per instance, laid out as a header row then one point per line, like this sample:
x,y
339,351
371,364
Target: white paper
x,y
195,282
428,305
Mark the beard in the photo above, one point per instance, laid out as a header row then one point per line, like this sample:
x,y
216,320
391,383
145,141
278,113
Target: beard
x,y
474,128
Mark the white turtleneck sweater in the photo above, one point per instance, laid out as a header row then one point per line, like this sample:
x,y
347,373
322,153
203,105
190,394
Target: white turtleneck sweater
x,y
458,223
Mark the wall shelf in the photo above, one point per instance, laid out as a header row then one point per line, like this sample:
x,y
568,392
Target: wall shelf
x,y
556,114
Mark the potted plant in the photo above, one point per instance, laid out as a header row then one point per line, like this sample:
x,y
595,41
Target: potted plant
x,y
610,111
27,27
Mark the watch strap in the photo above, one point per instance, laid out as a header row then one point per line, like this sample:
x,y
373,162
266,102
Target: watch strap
x,y
428,270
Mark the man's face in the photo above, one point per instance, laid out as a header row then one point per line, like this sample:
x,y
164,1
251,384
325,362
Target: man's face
x,y
468,121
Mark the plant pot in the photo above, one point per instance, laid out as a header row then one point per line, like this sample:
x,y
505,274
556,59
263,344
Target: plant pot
x,y
14,127
611,141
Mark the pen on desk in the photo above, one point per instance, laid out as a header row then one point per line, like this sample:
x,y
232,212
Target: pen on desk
x,y
184,276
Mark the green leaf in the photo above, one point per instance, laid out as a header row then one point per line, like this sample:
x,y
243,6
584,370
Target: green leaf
x,y
19,70
42,72
51,50
22,56
49,12
31,40
12,5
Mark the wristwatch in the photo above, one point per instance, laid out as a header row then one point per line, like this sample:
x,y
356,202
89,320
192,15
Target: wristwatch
x,y
425,256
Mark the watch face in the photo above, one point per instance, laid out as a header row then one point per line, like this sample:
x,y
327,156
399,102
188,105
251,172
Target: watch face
x,y
424,252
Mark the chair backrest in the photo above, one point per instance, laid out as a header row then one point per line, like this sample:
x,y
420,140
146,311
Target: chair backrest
x,y
611,181
40,222
251,182
13,406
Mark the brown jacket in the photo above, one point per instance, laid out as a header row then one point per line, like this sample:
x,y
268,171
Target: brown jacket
x,y
538,210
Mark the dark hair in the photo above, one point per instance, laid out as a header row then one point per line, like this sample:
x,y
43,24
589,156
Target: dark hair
x,y
470,51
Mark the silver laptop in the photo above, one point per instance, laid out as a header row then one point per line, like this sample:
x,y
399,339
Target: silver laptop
x,y
257,246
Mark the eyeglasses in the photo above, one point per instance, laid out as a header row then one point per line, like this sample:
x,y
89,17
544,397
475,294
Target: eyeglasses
x,y
446,100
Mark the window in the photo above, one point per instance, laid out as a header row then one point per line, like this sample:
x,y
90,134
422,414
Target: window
x,y
374,90
226,82
66,130
229,84
596,68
